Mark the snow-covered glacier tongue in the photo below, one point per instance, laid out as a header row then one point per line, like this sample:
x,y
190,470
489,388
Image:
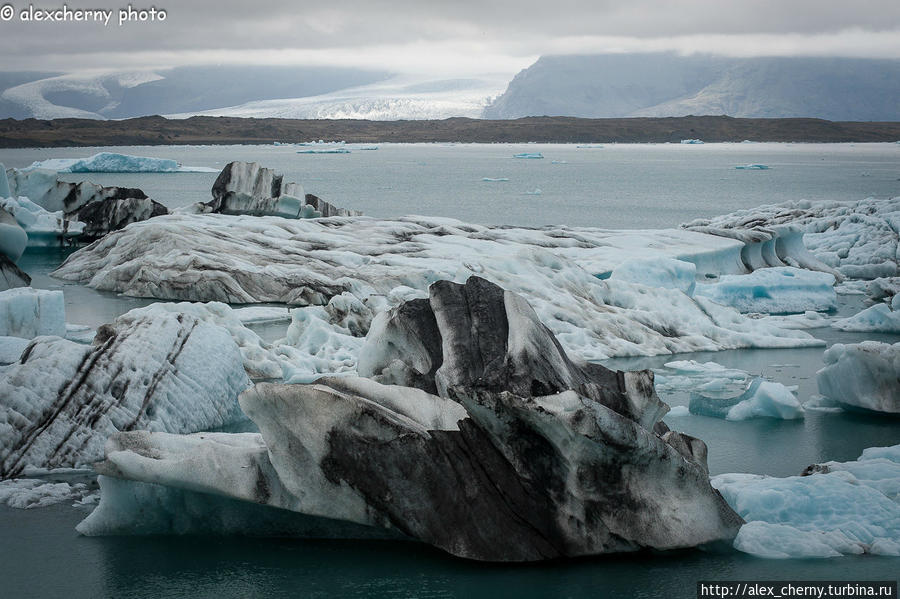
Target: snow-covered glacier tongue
x,y
155,370
504,448
831,509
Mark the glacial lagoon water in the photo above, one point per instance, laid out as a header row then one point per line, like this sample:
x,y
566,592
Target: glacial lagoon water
x,y
617,186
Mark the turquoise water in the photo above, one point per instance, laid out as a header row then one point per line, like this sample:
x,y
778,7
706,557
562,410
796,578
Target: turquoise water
x,y
618,186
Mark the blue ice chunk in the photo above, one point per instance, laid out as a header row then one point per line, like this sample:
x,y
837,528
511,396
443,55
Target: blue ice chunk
x,y
528,155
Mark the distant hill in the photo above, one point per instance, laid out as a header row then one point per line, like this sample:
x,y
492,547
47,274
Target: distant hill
x,y
167,91
662,85
157,130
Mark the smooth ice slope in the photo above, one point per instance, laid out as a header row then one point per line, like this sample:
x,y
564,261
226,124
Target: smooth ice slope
x,y
658,272
29,313
13,239
110,162
833,509
779,290
863,375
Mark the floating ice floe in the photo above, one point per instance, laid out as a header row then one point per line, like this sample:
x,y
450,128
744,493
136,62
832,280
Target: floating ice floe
x,y
691,141
880,318
728,393
442,461
833,509
752,167
494,179
590,146
309,262
156,369
778,290
862,375
26,493
534,192
857,239
800,322
324,151
110,162
29,313
532,155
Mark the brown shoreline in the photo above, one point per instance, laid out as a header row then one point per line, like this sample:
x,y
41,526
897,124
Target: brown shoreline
x,y
156,130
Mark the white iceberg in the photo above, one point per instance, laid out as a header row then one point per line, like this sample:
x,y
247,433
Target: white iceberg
x,y
324,151
27,493
691,141
111,162
880,318
29,313
11,348
154,370
863,375
531,155
43,188
494,179
776,290
752,167
835,509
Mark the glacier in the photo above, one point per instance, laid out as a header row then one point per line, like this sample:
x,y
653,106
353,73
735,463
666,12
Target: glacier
x,y
832,509
450,468
862,375
111,162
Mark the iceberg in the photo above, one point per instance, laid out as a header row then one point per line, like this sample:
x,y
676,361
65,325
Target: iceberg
x,y
830,510
880,318
728,393
247,188
27,493
531,155
11,348
862,375
308,262
691,141
42,187
42,228
30,313
534,192
495,179
110,162
753,167
453,469
778,290
152,371
856,240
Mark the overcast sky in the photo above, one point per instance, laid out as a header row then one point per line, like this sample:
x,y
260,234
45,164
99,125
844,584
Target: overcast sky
x,y
460,38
